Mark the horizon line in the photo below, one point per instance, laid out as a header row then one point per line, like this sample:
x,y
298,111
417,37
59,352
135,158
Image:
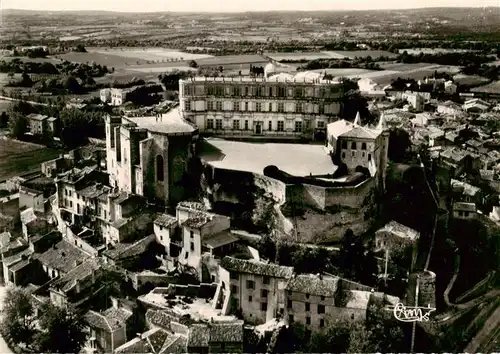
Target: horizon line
x,y
254,11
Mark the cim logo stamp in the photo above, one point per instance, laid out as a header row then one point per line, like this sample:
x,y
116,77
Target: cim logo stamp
x,y
412,314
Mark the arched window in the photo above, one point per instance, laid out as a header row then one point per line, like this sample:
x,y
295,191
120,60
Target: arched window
x,y
159,168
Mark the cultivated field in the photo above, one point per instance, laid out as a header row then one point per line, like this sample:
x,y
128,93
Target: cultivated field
x,y
416,51
298,56
341,54
17,157
149,54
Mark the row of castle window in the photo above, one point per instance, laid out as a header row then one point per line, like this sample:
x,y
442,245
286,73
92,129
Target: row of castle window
x,y
279,127
261,91
353,145
259,107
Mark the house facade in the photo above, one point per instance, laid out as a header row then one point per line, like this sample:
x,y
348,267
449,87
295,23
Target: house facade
x,y
253,287
278,106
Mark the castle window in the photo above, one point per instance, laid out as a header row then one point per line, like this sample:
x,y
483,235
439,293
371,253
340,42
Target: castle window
x,y
299,108
258,106
210,105
299,92
270,91
353,153
369,157
218,124
246,125
363,146
188,105
246,106
210,124
353,145
321,124
281,126
236,91
270,126
159,168
246,91
236,106
270,106
281,107
298,126
218,105
236,124
344,144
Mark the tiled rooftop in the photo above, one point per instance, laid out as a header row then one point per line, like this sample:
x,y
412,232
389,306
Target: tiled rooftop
x,y
63,256
192,205
196,221
314,285
83,271
126,250
198,336
256,267
165,220
400,230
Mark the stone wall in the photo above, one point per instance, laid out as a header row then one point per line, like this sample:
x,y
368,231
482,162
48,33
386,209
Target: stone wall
x,y
304,212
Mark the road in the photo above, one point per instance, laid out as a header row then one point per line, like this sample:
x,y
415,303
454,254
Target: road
x,y
4,348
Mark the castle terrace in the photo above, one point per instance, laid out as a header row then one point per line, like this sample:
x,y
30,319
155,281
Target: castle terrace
x,y
296,159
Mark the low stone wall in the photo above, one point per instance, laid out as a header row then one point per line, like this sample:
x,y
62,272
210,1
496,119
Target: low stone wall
x,y
203,290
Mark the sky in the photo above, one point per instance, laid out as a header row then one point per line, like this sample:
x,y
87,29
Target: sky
x,y
235,5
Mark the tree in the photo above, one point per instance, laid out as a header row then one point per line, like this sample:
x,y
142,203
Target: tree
x,y
399,144
18,125
17,324
71,84
62,331
193,64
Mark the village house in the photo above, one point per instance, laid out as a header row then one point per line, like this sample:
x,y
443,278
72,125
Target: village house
x,y
61,258
42,125
465,192
464,211
316,300
450,88
199,337
476,106
449,109
132,255
76,288
9,208
108,329
253,287
33,222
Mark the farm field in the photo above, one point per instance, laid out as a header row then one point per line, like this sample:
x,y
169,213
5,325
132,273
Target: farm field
x,y
416,51
404,67
298,56
341,54
17,157
149,54
111,61
345,72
